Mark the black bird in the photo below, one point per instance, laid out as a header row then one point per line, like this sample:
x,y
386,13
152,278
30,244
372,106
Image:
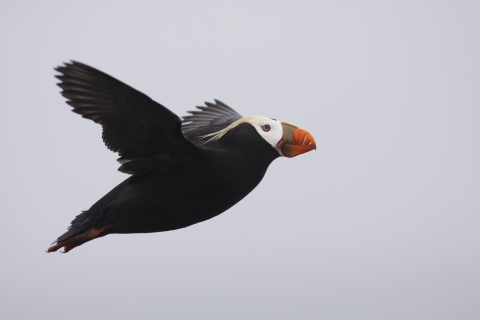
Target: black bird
x,y
182,172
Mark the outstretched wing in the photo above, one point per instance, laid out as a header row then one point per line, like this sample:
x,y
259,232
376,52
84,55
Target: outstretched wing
x,y
213,115
146,135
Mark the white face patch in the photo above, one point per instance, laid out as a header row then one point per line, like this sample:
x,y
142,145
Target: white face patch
x,y
269,129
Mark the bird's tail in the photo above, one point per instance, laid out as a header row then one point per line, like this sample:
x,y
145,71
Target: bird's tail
x,y
79,239
80,231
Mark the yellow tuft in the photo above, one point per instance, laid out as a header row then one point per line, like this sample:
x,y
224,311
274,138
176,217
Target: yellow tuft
x,y
217,135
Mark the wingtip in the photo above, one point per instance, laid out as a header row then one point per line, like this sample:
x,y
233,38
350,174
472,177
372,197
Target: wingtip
x,y
62,67
220,103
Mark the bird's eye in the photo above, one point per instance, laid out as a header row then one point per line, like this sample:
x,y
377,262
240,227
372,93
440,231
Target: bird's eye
x,y
266,127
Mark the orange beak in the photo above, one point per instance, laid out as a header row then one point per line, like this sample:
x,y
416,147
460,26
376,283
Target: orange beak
x,y
295,141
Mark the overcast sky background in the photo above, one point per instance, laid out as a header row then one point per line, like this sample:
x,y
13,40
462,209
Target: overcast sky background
x,y
381,222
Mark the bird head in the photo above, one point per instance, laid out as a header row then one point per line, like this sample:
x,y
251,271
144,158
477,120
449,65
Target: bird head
x,y
288,139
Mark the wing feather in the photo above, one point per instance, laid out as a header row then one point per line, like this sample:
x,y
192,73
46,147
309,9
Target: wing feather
x,y
145,134
211,115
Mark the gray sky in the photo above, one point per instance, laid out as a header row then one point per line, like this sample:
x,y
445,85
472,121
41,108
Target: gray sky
x,y
381,222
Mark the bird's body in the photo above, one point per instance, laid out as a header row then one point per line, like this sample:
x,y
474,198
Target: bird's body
x,y
177,179
171,199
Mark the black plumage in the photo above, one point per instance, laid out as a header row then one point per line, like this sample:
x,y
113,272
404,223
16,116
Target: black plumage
x,y
176,178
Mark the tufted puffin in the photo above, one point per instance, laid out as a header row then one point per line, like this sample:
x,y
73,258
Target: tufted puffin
x,y
181,171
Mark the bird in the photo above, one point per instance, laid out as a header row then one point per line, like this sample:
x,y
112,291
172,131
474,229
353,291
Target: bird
x,y
182,171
